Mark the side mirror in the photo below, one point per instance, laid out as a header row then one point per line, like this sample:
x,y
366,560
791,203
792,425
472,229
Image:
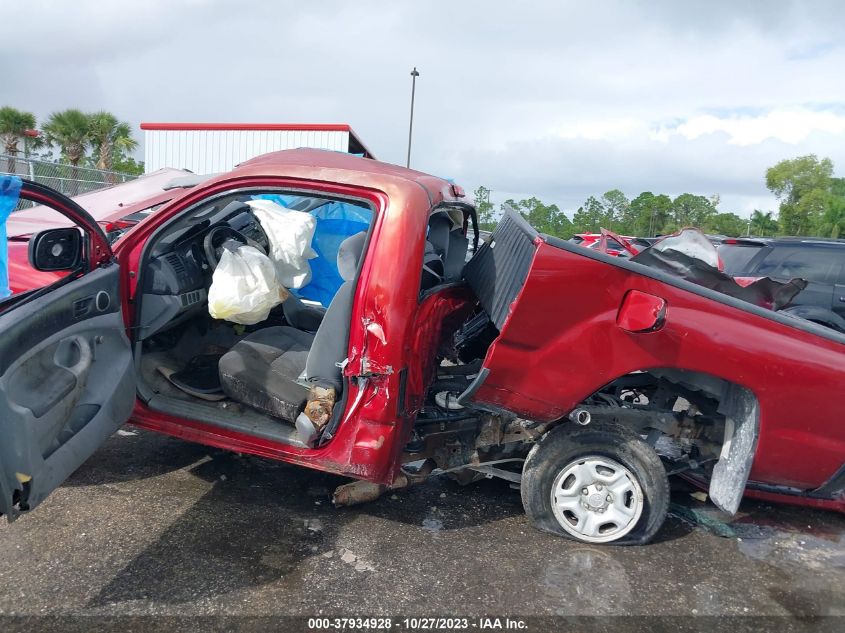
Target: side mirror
x,y
56,249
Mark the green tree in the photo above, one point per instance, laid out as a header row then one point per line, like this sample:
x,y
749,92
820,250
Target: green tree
x,y
803,186
129,166
727,224
484,209
763,224
832,222
110,139
691,210
546,218
651,213
617,211
589,217
70,130
14,124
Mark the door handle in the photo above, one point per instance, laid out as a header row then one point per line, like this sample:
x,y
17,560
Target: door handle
x,y
74,353
842,299
82,307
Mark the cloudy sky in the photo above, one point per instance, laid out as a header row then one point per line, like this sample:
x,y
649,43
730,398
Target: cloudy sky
x,y
555,99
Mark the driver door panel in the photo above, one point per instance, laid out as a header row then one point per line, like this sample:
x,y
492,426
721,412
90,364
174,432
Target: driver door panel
x,y
66,384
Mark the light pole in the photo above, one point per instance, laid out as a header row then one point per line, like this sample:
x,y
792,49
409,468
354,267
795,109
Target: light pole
x,y
414,75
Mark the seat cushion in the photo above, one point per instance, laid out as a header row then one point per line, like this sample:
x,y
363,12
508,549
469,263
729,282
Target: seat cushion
x,y
261,371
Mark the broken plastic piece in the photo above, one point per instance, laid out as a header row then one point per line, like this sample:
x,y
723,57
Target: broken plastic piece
x,y
319,407
308,433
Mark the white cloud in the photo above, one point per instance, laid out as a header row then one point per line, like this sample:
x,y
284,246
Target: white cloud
x,y
598,129
789,125
556,99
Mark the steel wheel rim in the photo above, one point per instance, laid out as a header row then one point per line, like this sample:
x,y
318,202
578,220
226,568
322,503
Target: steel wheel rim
x,y
596,499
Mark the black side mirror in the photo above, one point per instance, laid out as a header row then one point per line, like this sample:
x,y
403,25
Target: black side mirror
x,y
56,249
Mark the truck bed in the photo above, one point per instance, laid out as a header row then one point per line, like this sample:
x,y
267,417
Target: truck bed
x,y
498,273
555,306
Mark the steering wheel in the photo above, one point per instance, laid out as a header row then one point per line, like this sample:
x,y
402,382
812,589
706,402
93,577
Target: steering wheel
x,y
216,237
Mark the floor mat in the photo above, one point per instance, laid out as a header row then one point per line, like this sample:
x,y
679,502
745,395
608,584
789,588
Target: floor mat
x,y
198,378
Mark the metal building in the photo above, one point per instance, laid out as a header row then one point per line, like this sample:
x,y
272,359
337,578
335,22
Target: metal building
x,y
207,148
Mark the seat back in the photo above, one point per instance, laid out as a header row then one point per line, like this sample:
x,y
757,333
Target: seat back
x,y
449,243
456,256
439,227
332,338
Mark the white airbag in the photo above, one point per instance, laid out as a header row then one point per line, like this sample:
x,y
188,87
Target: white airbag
x,y
290,234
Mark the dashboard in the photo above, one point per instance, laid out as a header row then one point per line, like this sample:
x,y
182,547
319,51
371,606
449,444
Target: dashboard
x,y
179,270
180,262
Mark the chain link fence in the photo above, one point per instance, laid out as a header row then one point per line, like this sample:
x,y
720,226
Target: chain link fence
x,y
68,179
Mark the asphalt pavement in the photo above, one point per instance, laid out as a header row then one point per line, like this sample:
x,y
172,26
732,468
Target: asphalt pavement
x,y
154,526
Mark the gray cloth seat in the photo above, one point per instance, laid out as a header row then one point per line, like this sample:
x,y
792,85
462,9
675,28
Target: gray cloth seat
x,y
266,369
301,315
262,369
445,252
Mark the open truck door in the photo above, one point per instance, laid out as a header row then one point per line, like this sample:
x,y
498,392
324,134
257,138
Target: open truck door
x,y
66,375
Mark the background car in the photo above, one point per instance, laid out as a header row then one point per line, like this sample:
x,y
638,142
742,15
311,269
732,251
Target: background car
x,y
820,261
615,245
117,209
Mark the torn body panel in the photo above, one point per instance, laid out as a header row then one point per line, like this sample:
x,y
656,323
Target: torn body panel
x,y
689,255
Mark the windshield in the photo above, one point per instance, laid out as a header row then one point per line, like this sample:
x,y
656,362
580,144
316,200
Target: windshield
x,y
737,257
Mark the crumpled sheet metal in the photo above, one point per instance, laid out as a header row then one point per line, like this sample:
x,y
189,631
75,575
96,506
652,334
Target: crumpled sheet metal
x,y
689,255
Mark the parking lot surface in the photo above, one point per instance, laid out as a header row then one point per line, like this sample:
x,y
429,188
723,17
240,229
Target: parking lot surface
x,y
152,525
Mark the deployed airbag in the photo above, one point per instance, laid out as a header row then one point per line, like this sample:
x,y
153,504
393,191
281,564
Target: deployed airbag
x,y
290,234
244,287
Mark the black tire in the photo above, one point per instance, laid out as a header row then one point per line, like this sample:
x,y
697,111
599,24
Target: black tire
x,y
564,445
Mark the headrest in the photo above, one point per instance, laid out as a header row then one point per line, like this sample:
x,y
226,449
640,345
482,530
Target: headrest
x,y
438,233
348,255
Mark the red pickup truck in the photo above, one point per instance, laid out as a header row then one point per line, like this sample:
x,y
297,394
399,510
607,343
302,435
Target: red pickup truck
x,y
584,378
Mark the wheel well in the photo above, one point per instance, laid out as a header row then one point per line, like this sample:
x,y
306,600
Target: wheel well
x,y
690,418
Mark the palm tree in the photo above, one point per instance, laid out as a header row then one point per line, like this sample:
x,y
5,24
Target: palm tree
x,y
833,220
14,125
763,223
110,138
71,131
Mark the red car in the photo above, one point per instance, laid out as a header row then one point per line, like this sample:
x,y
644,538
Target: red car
x,y
496,367
610,243
116,209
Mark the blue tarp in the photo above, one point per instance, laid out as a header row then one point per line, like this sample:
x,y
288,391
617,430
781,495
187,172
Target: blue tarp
x,y
335,222
10,191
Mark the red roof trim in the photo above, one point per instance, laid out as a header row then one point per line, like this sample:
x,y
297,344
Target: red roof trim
x,y
308,127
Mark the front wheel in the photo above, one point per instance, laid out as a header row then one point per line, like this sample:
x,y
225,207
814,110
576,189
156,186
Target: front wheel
x,y
596,484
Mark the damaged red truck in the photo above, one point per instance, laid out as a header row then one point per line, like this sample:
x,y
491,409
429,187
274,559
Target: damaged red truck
x,y
584,378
